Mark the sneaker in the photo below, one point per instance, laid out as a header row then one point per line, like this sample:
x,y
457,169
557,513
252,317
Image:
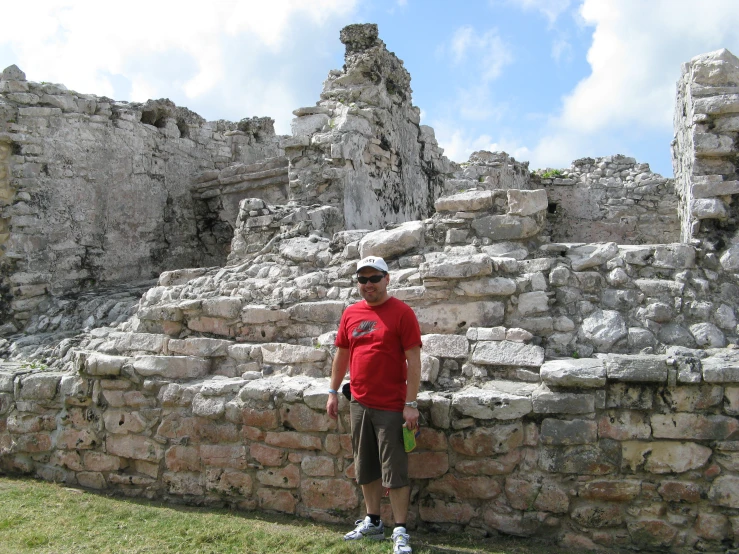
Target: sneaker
x,y
365,529
400,541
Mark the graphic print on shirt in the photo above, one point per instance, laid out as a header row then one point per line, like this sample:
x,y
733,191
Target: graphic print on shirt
x,y
365,327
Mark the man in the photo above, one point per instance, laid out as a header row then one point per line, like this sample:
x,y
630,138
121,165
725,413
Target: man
x,y
380,341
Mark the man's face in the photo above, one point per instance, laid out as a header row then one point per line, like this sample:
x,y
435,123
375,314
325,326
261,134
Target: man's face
x,y
373,293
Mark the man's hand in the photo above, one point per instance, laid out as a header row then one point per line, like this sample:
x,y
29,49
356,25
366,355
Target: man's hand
x,y
332,406
411,417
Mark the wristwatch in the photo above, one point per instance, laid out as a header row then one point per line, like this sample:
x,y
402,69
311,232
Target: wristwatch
x,y
413,404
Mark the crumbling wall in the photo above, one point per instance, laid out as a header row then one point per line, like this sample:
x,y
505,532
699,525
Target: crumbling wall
x,y
705,153
489,171
362,147
610,199
100,189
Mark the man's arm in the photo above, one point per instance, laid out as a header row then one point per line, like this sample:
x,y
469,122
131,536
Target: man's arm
x,y
413,357
338,371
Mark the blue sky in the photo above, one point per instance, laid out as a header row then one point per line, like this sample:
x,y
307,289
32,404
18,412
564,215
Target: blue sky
x,y
548,81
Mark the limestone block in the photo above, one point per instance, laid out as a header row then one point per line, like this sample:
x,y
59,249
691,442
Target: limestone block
x,y
303,249
680,491
225,307
302,418
533,302
567,432
211,407
546,401
486,333
674,256
451,318
693,426
103,365
172,367
604,328
584,459
6,382
488,286
137,342
638,368
200,347
328,311
470,201
588,256
221,387
660,287
712,144
526,202
485,442
490,404
722,367
651,533
584,373
465,488
708,335
515,334
675,334
664,456
391,243
624,425
445,346
159,313
38,386
717,105
725,491
306,125
91,480
457,267
718,188
136,447
117,421
507,353
279,353
724,317
730,259
505,227
708,208
259,314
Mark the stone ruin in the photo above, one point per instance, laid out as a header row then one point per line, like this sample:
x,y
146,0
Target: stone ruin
x,y
171,288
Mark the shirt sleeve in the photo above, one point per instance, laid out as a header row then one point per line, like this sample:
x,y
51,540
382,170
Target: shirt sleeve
x,y
342,339
410,331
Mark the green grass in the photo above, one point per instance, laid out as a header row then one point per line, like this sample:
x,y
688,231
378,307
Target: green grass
x,y
41,517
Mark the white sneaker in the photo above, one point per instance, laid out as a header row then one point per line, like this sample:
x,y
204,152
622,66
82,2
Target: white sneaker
x,y
365,529
400,541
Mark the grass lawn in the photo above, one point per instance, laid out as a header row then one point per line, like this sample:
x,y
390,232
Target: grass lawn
x,y
37,516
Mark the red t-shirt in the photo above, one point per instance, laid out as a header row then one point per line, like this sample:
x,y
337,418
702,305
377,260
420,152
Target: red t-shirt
x,y
377,338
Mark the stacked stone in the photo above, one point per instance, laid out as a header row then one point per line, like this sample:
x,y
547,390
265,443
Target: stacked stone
x,y
621,451
95,191
489,171
611,199
362,148
704,149
217,194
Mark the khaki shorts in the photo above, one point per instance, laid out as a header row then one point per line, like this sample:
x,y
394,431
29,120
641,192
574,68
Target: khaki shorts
x,y
377,439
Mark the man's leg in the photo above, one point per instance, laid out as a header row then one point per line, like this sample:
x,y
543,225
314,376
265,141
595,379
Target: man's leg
x,y
373,495
399,499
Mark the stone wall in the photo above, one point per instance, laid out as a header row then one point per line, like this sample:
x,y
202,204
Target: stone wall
x,y
619,451
610,199
489,171
362,147
97,191
705,150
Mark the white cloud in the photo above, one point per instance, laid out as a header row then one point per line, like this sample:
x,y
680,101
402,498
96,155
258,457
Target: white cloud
x,y
635,60
459,144
490,52
83,43
551,9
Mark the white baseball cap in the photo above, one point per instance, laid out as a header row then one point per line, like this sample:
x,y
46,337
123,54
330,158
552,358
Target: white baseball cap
x,y
372,261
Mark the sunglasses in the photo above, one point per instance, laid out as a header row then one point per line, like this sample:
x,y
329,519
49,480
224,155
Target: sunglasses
x,y
373,279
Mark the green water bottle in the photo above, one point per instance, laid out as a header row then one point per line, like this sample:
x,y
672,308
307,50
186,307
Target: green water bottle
x,y
409,438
